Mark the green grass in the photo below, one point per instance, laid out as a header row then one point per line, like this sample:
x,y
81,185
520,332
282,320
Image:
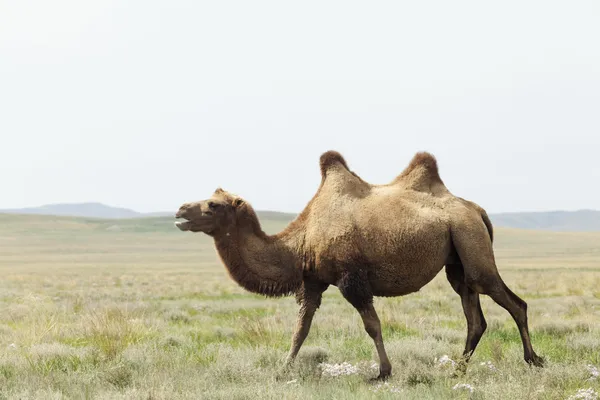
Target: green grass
x,y
134,309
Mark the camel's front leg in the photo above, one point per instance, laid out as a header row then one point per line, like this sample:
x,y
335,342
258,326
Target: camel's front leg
x,y
355,288
309,298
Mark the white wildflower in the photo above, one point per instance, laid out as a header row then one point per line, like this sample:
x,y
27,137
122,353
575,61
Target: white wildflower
x,y
12,346
489,365
445,360
344,368
465,386
595,373
584,394
291,382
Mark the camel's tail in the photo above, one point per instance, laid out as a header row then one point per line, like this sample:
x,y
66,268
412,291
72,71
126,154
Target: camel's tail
x,y
484,216
488,224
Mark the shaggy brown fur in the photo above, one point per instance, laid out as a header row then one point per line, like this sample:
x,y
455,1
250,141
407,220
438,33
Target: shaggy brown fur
x,y
368,240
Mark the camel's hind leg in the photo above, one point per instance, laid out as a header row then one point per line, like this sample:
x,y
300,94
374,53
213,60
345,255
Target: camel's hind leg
x,y
476,324
474,248
517,308
355,288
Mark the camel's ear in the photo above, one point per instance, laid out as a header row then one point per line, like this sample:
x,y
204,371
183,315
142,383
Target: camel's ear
x,y
219,190
238,202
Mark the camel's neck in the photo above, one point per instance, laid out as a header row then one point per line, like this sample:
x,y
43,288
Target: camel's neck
x,y
260,263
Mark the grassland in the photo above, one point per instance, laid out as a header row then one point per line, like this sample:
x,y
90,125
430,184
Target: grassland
x,y
134,309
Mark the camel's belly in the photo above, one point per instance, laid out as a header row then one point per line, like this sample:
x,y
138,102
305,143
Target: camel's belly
x,y
399,280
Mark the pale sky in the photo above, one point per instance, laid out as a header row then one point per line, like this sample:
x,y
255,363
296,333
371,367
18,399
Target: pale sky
x,y
148,104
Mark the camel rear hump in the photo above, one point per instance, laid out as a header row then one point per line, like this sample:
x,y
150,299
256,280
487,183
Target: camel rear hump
x,y
422,174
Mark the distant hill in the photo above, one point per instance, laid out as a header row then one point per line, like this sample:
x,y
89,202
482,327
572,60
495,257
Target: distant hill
x,y
103,211
575,221
88,210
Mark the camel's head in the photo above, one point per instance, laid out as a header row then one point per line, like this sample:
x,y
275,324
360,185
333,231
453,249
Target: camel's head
x,y
212,216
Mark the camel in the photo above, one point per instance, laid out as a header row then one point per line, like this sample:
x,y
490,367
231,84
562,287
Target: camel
x,y
368,240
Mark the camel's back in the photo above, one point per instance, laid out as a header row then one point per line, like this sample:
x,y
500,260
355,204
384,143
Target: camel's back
x,y
345,204
339,213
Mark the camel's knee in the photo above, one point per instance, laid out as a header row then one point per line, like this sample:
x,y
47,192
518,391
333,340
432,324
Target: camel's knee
x,y
482,327
520,304
476,325
373,330
478,329
523,306
308,310
516,306
521,315
371,322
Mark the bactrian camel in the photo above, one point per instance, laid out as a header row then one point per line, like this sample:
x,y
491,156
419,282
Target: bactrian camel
x,y
368,240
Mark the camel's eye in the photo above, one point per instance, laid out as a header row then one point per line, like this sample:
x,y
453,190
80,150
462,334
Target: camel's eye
x,y
213,206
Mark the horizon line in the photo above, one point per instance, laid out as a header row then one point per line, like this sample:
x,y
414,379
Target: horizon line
x,y
148,213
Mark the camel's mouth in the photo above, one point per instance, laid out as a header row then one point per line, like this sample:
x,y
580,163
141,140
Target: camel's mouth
x,y
183,225
201,224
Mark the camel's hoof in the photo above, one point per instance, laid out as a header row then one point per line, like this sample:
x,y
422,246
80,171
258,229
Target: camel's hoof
x,y
382,377
281,375
537,361
284,371
460,370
